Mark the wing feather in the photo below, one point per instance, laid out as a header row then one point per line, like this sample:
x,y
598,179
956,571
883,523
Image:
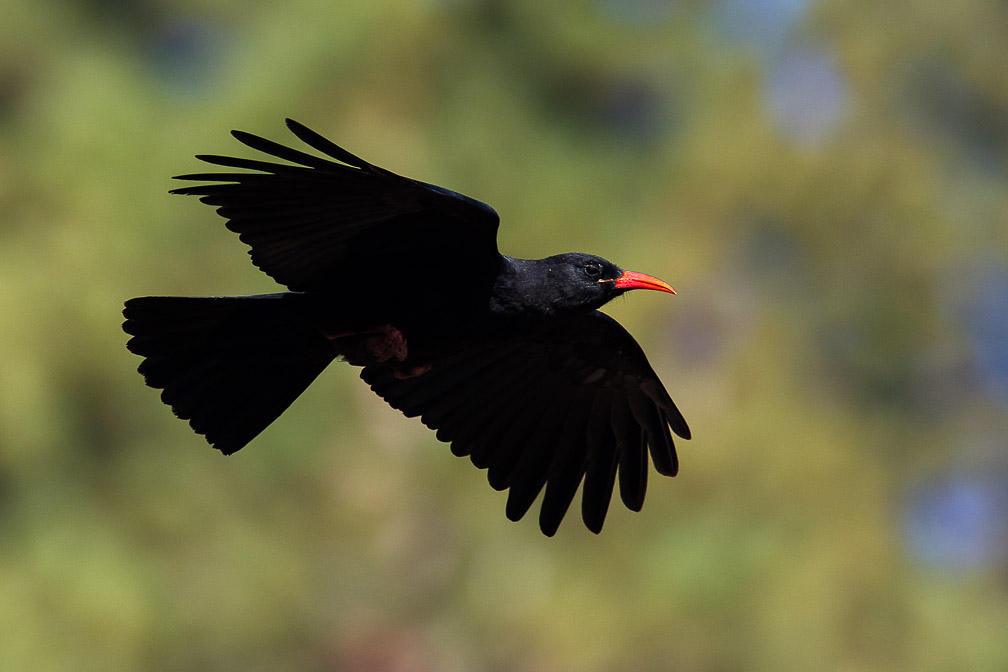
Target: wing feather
x,y
569,403
315,220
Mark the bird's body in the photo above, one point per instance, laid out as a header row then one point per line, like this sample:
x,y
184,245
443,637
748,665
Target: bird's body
x,y
508,359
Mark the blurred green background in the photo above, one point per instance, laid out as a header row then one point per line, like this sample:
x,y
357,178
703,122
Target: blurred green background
x,y
824,183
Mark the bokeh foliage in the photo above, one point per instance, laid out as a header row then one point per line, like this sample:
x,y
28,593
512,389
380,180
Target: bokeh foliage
x,y
826,189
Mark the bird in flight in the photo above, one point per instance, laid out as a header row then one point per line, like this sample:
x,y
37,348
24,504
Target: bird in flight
x,y
508,359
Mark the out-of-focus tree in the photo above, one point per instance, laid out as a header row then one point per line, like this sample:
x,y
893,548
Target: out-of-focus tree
x,y
824,184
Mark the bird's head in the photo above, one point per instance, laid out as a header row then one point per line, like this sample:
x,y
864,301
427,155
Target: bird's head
x,y
579,281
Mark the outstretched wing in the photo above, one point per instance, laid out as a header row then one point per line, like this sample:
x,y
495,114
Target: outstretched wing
x,y
575,401
313,223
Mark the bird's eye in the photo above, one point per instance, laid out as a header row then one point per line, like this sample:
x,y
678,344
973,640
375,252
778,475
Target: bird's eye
x,y
593,269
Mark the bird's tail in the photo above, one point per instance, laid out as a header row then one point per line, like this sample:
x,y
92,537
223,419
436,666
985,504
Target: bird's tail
x,y
230,366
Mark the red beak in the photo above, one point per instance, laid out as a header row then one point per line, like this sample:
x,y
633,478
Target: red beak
x,y
635,280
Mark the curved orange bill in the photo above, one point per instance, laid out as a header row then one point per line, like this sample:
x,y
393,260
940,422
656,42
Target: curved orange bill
x,y
635,280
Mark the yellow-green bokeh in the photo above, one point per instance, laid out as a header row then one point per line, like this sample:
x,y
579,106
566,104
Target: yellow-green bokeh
x,y
840,253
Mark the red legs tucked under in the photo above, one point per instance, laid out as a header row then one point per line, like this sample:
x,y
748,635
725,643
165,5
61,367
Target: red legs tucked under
x,y
387,343
383,344
404,372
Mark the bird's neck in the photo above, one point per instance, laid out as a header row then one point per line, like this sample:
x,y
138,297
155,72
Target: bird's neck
x,y
527,290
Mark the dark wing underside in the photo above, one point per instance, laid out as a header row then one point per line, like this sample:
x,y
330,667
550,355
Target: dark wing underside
x,y
314,223
577,401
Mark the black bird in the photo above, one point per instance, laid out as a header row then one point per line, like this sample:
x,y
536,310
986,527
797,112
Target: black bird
x,y
508,359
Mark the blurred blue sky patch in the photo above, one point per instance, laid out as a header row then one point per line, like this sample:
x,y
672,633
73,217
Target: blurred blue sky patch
x,y
986,321
959,521
761,24
807,95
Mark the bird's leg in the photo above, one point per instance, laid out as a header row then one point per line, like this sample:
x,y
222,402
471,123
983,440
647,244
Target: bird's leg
x,y
387,343
404,372
377,345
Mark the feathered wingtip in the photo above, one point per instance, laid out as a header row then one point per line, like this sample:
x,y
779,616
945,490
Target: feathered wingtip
x,y
324,145
302,160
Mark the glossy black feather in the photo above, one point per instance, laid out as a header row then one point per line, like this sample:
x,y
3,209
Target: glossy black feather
x,y
527,444
317,221
601,464
230,366
508,360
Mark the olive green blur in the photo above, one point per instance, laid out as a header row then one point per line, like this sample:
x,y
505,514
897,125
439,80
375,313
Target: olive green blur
x,y
830,204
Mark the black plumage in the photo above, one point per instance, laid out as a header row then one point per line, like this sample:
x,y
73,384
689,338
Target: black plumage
x,y
509,360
